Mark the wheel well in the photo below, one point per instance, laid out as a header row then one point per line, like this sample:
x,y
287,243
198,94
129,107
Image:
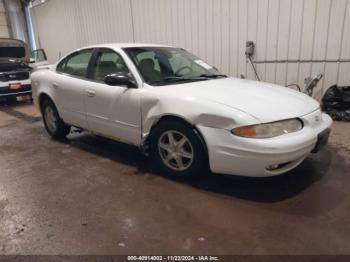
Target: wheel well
x,y
180,120
42,99
171,118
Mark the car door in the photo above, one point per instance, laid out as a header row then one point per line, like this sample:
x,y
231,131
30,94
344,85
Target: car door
x,y
113,111
38,59
70,83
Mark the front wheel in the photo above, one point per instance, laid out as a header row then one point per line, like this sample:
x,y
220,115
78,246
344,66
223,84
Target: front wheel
x,y
54,125
178,150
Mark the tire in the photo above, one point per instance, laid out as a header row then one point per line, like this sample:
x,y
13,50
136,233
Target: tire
x,y
185,156
54,125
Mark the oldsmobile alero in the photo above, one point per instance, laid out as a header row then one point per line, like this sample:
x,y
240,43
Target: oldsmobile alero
x,y
180,110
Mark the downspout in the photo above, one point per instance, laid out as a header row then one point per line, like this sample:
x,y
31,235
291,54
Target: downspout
x,y
29,23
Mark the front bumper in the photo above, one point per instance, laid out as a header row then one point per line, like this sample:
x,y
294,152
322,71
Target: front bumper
x,y
26,89
230,154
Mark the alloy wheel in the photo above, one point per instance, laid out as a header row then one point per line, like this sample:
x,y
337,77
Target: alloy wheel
x,y
50,119
176,150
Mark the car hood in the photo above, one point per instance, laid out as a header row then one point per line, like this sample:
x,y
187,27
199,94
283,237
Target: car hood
x,y
266,102
13,50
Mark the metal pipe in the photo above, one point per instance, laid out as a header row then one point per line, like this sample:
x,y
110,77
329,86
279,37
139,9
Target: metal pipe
x,y
17,23
255,72
31,35
303,61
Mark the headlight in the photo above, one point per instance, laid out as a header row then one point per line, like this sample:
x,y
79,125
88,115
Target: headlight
x,y
270,129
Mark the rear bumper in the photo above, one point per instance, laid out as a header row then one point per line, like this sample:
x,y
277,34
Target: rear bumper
x,y
229,154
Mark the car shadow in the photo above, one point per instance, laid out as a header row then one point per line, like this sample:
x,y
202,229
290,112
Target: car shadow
x,y
9,107
267,189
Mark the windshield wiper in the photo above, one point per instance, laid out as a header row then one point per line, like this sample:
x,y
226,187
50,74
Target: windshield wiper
x,y
213,76
178,79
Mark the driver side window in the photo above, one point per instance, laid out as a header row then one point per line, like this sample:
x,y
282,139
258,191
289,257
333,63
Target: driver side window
x,y
107,62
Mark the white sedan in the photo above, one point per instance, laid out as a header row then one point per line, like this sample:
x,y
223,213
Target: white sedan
x,y
180,110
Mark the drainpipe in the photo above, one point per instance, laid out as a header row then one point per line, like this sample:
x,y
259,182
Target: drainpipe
x,y
31,35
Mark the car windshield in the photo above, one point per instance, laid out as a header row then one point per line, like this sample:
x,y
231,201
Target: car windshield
x,y
164,65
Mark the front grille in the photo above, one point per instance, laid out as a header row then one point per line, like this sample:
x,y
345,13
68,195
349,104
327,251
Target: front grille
x,y
13,76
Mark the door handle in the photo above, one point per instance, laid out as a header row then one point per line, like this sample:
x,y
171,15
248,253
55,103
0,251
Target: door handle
x,y
54,85
90,93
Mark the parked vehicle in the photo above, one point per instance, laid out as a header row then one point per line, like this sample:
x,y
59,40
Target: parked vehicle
x,y
16,66
180,110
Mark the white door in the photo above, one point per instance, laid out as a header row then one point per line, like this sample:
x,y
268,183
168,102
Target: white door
x,y
113,111
70,84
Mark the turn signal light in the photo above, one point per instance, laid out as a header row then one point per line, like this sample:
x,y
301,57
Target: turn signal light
x,y
245,131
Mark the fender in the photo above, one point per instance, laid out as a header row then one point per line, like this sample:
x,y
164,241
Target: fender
x,y
193,111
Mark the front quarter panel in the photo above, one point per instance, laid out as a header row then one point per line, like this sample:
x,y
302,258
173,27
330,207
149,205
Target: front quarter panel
x,y
195,111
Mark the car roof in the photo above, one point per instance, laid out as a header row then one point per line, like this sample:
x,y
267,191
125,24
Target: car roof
x,y
112,46
123,45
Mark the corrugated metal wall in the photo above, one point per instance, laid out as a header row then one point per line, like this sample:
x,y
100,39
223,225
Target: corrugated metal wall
x,y
215,30
64,25
4,30
16,20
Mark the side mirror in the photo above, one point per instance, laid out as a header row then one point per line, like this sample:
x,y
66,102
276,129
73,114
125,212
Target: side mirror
x,y
120,79
32,61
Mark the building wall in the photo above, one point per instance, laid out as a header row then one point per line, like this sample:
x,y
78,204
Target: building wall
x,y
215,30
16,20
4,30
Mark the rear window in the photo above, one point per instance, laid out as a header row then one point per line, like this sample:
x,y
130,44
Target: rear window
x,y
15,52
76,64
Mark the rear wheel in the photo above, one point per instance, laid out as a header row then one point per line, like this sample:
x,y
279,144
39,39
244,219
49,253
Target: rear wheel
x,y
54,125
178,150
